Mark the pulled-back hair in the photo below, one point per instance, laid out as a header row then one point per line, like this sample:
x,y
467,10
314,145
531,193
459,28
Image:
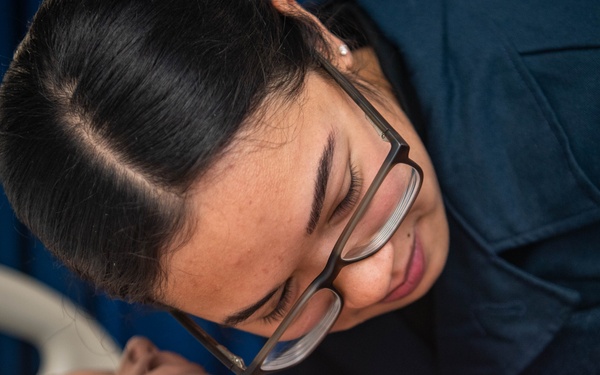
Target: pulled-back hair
x,y
111,109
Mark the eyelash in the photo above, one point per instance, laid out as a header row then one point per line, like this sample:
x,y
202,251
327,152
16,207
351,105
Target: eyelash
x,y
277,314
345,205
351,197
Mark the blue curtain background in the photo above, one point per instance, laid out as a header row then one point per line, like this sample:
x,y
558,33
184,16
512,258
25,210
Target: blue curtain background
x,y
21,251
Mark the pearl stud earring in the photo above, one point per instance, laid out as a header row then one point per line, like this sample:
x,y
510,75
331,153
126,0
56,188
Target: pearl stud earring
x,y
344,50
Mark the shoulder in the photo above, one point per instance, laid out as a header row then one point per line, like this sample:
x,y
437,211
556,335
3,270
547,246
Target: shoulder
x,y
507,91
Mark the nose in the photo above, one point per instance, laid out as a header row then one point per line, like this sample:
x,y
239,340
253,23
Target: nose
x,y
366,282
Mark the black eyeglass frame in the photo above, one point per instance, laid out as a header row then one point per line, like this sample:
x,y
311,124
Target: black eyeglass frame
x,y
397,154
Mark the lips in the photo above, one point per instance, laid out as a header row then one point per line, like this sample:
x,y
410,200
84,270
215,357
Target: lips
x,y
415,269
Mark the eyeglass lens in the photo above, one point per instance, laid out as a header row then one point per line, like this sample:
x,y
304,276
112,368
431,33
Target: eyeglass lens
x,y
312,323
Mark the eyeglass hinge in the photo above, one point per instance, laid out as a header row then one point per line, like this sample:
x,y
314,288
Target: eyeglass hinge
x,y
377,129
239,362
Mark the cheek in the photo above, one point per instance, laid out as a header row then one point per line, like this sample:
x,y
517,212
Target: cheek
x,y
316,317
389,202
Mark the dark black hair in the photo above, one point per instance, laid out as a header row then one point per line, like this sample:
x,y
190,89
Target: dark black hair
x,y
111,109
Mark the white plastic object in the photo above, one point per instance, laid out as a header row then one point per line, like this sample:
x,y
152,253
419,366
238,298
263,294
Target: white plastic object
x,y
66,337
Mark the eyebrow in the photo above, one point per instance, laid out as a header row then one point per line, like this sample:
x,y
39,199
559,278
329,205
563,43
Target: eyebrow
x,y
321,183
323,172
240,316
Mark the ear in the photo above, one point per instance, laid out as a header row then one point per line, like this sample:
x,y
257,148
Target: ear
x,y
342,58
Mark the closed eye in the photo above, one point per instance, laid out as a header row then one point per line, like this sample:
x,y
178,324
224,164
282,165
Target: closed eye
x,y
352,195
282,305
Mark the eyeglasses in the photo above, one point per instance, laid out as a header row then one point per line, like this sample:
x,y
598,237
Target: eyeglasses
x,y
391,193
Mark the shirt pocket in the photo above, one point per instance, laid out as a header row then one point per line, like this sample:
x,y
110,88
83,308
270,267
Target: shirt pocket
x,y
523,140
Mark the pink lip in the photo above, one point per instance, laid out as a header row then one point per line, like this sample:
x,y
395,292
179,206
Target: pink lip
x,y
415,270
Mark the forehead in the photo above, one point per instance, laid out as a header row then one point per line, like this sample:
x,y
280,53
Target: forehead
x,y
250,211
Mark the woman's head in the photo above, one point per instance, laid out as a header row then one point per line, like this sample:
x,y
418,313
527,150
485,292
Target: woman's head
x,y
167,152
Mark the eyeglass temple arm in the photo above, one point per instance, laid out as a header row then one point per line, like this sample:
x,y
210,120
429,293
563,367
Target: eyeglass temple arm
x,y
227,358
359,99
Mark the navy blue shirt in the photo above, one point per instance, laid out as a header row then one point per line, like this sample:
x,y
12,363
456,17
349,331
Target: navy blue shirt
x,y
506,96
